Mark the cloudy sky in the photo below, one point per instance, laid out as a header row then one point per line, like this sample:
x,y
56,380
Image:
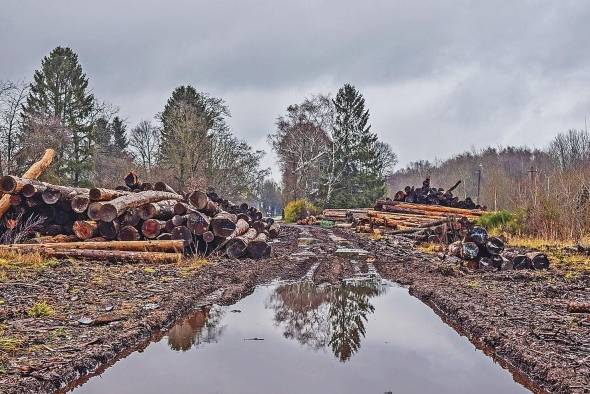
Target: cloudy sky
x,y
438,76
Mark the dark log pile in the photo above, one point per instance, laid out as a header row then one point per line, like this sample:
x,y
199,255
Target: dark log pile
x,y
137,220
435,196
487,253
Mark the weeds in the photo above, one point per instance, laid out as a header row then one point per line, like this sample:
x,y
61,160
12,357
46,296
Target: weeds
x,y
41,309
192,264
10,345
23,230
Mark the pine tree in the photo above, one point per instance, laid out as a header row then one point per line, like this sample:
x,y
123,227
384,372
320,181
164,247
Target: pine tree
x,y
60,91
119,130
357,160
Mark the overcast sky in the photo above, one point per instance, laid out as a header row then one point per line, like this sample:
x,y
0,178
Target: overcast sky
x,y
439,77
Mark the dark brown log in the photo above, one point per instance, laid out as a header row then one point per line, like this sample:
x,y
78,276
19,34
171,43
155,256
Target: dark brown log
x,y
15,200
260,226
108,230
178,220
197,222
94,210
53,193
132,180
578,307
539,261
32,173
61,238
162,210
183,233
80,203
129,246
208,236
151,228
238,246
201,202
244,216
33,188
131,217
146,186
113,209
105,255
163,187
98,194
224,224
181,208
128,233
273,230
84,229
259,247
10,184
165,237
454,186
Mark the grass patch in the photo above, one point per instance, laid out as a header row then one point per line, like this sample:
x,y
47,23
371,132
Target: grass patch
x,y
573,263
474,284
10,259
41,309
192,264
10,345
429,248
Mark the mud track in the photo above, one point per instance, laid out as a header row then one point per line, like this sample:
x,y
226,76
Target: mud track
x,y
103,311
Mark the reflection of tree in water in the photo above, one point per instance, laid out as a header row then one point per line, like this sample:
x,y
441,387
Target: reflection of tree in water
x,y
201,327
319,316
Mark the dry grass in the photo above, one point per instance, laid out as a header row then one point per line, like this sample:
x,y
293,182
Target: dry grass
x,y
430,247
15,259
189,265
10,345
572,263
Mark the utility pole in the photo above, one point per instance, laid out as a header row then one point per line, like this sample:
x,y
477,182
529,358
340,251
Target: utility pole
x,y
533,175
478,181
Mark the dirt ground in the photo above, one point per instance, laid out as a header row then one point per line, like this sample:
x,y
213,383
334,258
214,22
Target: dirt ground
x,y
61,321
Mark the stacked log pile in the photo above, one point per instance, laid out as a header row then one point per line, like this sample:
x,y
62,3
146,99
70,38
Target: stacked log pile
x,y
138,221
434,196
488,253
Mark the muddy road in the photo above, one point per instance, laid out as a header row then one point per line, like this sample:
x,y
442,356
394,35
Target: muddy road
x,y
98,312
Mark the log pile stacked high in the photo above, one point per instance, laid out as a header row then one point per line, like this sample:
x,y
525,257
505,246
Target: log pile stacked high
x,y
435,196
138,221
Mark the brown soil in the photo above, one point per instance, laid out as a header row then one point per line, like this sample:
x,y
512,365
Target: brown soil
x,y
518,317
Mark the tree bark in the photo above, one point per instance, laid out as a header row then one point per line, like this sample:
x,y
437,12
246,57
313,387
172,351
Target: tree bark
x,y
259,247
32,173
114,208
98,194
54,193
224,224
197,222
80,203
173,246
109,230
128,233
162,210
238,247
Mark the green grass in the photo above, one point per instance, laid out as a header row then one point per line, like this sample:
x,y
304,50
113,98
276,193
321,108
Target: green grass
x,y
41,309
9,345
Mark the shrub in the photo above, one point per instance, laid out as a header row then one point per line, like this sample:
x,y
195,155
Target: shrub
x,y
299,209
501,222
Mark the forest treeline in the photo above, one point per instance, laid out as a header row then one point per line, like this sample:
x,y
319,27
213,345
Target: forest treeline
x,y
547,190
189,142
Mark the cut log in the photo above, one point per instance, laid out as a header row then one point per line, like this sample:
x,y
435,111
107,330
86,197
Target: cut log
x,y
178,220
98,194
108,230
163,187
106,255
273,230
10,184
60,238
132,180
54,193
151,228
224,224
201,202
238,247
84,229
162,210
128,233
114,208
183,233
32,173
259,247
33,189
539,261
181,208
208,236
129,246
94,210
131,218
80,203
197,222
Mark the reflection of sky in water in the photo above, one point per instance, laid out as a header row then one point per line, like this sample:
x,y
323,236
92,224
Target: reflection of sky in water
x,y
406,349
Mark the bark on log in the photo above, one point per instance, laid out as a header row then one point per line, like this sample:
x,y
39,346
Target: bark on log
x,y
259,247
197,222
105,255
32,173
224,224
33,189
151,228
201,202
238,246
108,230
113,209
162,210
98,194
173,246
131,218
84,229
80,203
132,180
54,193
128,233
60,238
163,187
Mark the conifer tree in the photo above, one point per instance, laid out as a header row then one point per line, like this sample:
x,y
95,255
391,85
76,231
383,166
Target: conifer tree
x,y
59,91
357,158
119,130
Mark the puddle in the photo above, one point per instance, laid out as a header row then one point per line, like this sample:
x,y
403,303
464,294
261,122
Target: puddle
x,y
363,336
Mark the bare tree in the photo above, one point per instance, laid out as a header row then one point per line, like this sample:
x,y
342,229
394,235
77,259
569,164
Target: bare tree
x,y
12,97
145,144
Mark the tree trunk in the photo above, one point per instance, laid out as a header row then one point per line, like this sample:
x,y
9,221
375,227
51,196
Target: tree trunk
x,y
109,230
114,208
197,222
162,210
32,173
84,229
238,247
151,228
224,224
54,193
97,194
80,203
259,247
128,233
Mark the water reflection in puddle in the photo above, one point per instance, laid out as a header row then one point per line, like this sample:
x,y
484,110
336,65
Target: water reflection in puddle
x,y
359,337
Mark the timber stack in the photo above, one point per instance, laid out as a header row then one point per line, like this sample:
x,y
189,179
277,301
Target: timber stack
x,y
428,195
138,221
